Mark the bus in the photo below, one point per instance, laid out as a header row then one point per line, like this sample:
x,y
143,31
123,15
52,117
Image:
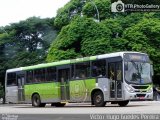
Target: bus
x,y
115,77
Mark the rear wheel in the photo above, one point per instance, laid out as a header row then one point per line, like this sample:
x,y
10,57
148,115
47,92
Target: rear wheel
x,y
123,103
98,99
36,101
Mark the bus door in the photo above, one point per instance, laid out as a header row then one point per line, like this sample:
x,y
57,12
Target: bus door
x,y
20,80
115,77
63,78
11,90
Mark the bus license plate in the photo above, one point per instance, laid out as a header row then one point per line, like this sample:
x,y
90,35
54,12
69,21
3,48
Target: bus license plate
x,y
141,97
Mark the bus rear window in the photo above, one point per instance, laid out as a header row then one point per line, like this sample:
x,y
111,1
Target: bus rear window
x,y
11,79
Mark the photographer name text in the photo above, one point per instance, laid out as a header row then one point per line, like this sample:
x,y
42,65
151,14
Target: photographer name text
x,y
124,116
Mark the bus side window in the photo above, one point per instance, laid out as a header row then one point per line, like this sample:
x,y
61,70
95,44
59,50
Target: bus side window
x,y
98,68
72,72
119,71
29,78
82,70
51,74
11,79
39,75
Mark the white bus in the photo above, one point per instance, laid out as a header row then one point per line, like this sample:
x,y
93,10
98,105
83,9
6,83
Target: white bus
x,y
116,77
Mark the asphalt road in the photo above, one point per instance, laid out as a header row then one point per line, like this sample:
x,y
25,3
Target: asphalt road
x,y
80,111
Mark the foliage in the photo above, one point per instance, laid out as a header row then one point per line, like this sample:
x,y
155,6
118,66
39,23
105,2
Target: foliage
x,y
82,8
80,34
25,43
89,9
66,13
145,37
77,37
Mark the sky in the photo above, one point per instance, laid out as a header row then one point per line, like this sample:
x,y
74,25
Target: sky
x,y
13,11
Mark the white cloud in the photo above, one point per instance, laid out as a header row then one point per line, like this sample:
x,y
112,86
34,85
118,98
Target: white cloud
x,y
16,10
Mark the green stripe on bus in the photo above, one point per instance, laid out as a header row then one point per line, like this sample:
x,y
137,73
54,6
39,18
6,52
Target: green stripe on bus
x,y
45,65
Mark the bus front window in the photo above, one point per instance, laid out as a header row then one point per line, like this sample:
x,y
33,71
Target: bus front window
x,y
137,72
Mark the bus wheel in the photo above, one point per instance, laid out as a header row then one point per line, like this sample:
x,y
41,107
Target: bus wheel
x,y
36,101
123,103
98,99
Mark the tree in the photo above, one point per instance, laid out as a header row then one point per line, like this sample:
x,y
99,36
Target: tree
x,y
82,37
25,43
103,7
145,37
80,34
31,33
82,8
66,13
4,39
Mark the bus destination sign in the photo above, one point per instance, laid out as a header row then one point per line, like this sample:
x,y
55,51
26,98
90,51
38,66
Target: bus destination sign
x,y
136,57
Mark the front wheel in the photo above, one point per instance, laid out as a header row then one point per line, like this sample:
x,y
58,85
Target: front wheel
x,y
98,99
123,103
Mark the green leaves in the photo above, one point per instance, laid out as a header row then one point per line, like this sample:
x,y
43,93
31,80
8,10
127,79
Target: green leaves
x,y
80,34
145,36
25,43
83,36
103,7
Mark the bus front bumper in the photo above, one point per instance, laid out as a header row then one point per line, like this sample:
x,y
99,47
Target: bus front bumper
x,y
139,96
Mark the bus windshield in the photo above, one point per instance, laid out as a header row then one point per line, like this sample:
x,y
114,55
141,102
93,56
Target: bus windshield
x,y
137,72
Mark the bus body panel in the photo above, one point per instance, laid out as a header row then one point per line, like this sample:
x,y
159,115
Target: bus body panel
x,y
80,90
143,92
12,94
103,84
49,92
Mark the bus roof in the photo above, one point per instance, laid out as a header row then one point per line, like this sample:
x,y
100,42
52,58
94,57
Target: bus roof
x,y
63,62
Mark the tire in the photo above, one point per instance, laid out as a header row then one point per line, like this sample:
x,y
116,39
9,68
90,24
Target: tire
x,y
36,101
98,99
123,103
58,104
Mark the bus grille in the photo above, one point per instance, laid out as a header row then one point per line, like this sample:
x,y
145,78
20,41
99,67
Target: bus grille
x,y
141,95
140,87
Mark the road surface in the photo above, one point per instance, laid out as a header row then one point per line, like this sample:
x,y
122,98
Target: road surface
x,y
80,111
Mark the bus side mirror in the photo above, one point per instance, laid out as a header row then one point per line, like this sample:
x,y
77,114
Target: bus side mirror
x,y
152,71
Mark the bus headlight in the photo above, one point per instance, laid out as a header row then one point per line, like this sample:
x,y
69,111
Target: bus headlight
x,y
129,88
150,90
